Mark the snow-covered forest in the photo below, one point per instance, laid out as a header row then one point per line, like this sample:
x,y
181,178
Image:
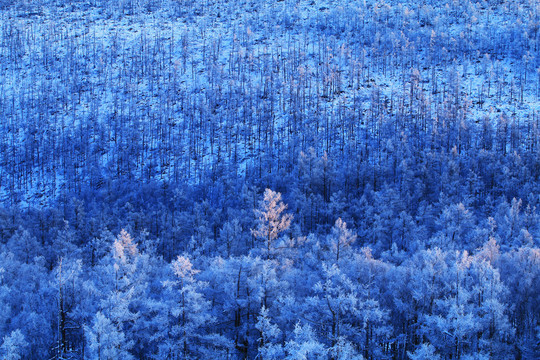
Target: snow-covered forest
x,y
270,179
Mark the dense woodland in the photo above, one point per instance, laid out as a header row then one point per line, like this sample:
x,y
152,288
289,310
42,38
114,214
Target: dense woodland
x,y
271,179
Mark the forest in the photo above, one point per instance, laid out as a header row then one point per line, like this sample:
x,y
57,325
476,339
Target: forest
x,y
270,179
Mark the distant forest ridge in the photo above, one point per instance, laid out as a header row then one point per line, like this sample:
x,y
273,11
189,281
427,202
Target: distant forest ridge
x,y
143,91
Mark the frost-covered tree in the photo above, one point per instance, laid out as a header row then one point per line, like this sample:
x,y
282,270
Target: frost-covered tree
x,y
457,228
347,315
424,352
28,304
304,344
341,238
67,285
13,346
188,328
118,288
229,234
520,272
269,347
271,219
106,340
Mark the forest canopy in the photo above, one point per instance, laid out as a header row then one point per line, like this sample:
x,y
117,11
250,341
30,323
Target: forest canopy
x,y
265,179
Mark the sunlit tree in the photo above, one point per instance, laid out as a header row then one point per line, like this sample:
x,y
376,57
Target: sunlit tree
x,y
271,219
